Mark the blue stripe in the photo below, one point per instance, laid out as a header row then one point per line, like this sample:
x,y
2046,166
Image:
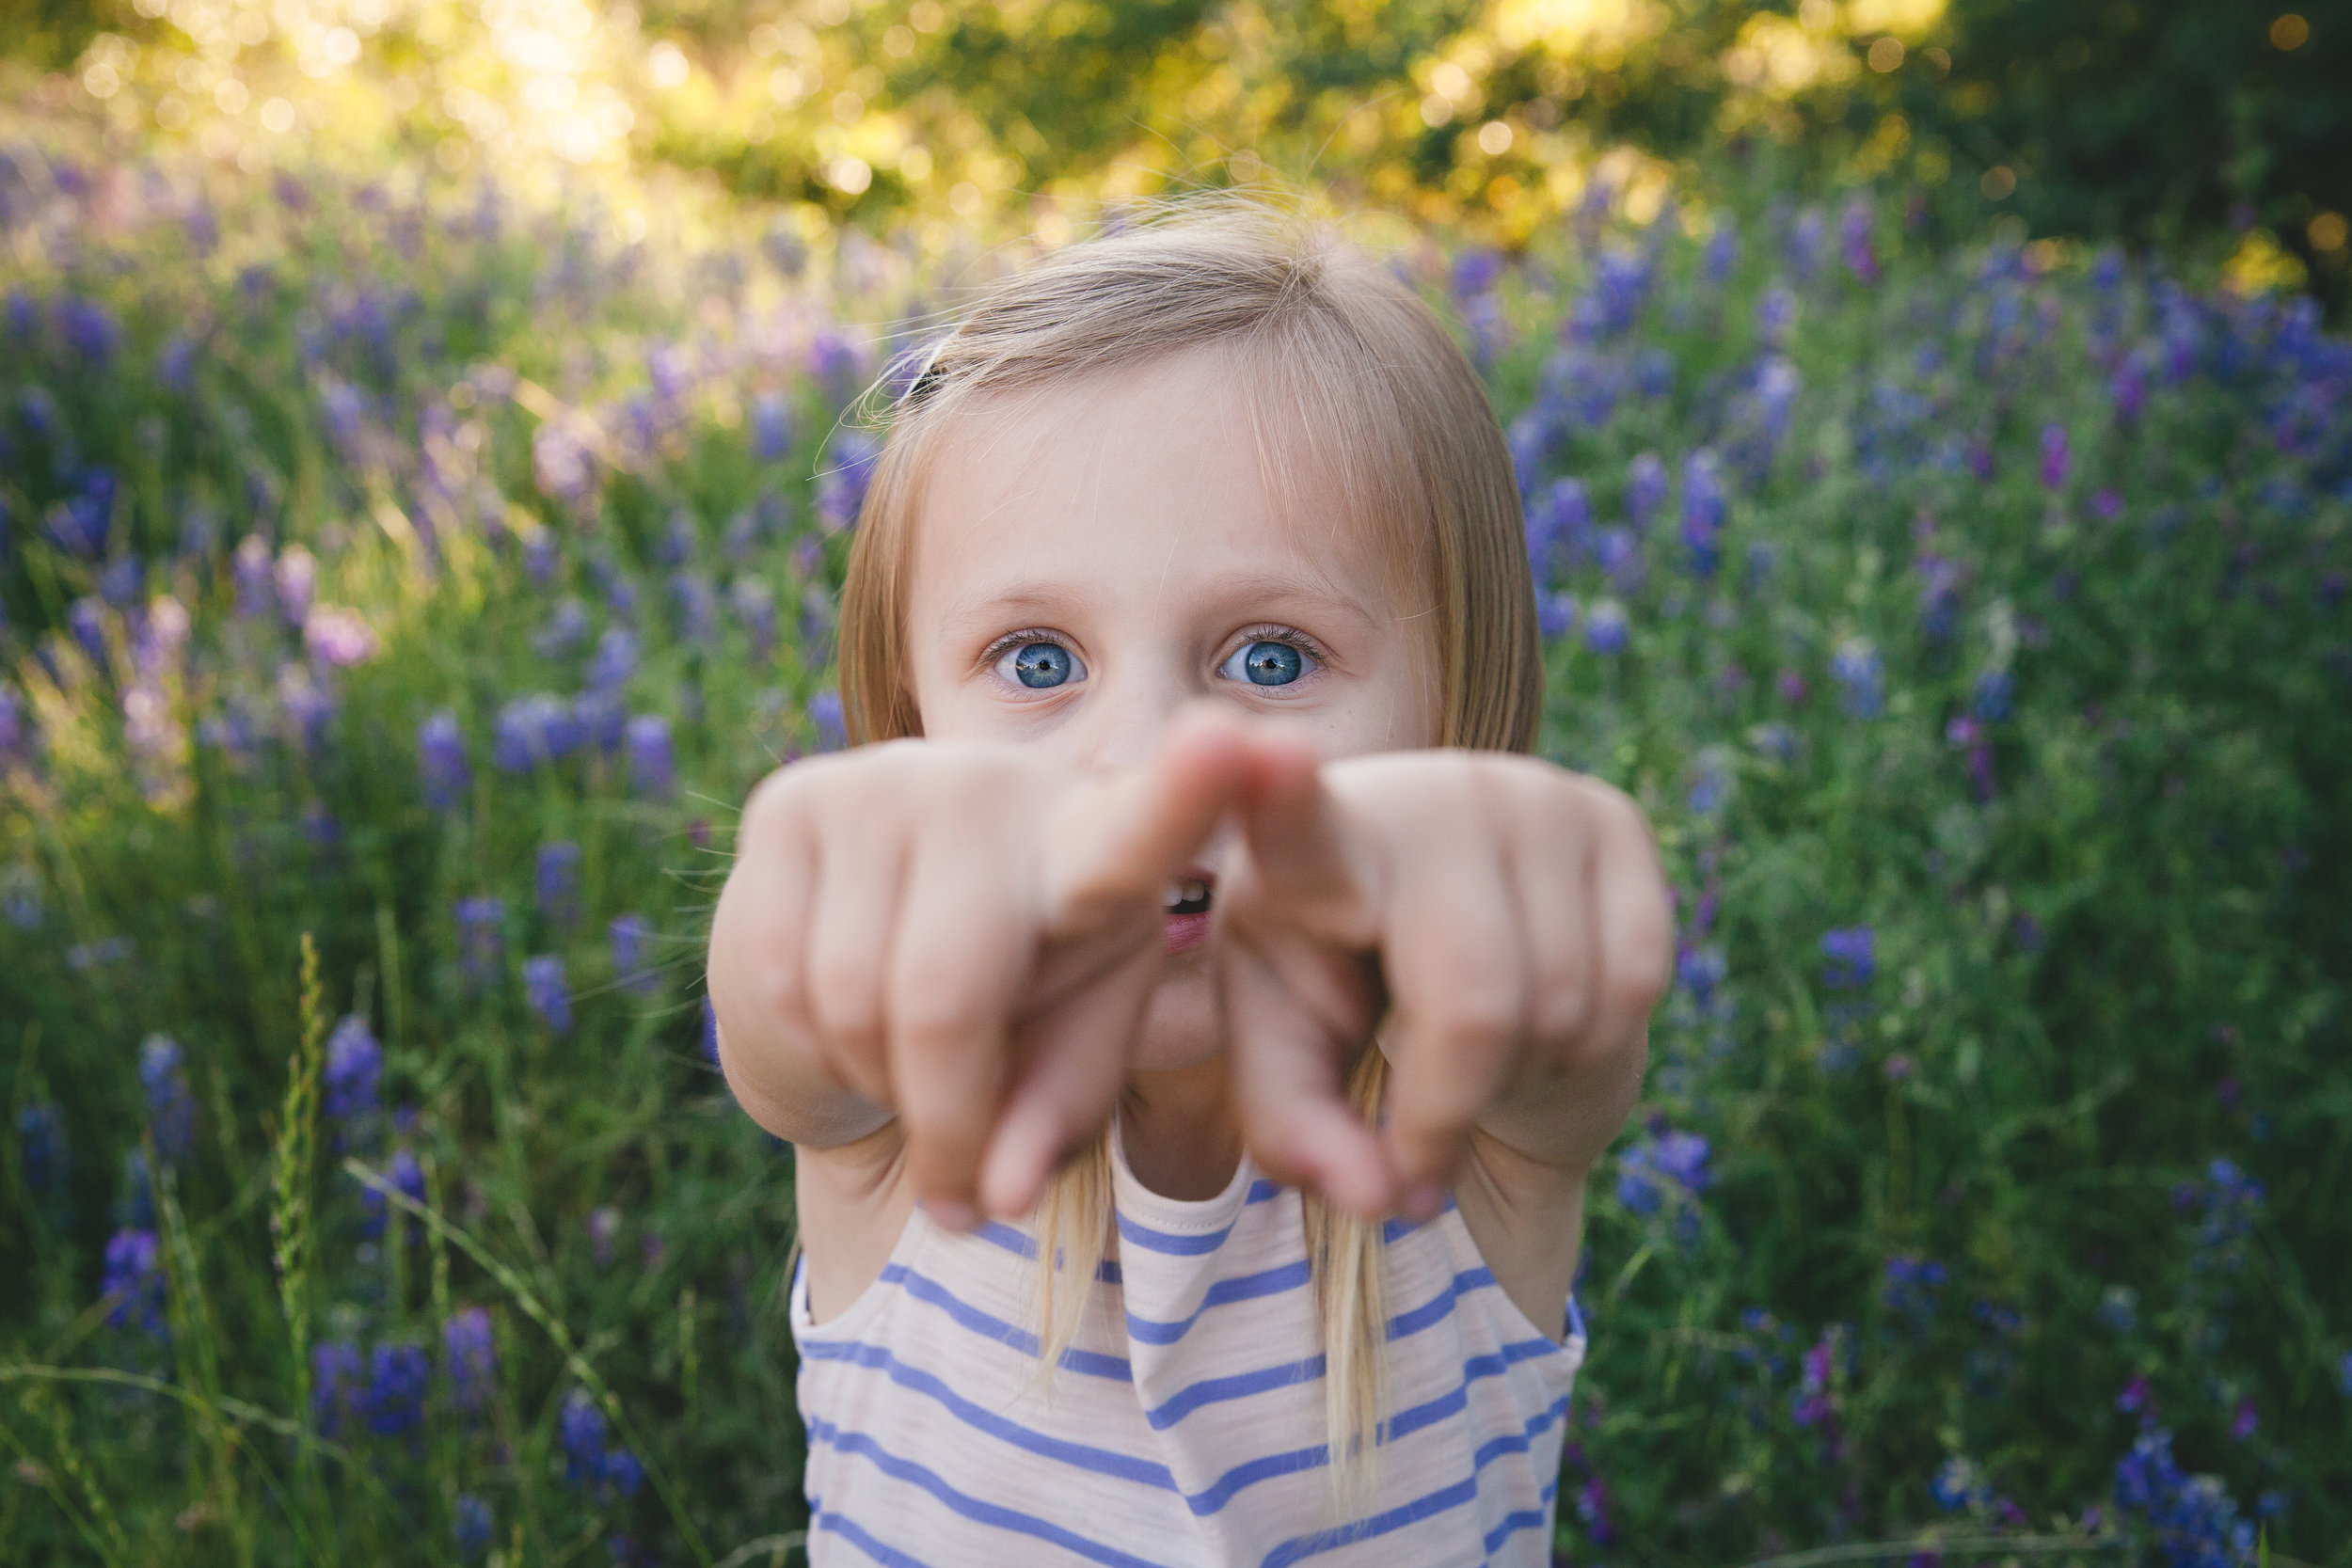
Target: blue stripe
x,y
1405,1324
1576,1318
1405,1422
1246,1287
1524,1519
848,1528
971,1508
1239,1385
929,1291
1263,1191
1440,1501
1397,1231
1021,1244
1085,1456
1174,1243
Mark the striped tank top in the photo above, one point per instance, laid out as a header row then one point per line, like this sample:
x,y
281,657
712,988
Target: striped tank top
x,y
1185,1428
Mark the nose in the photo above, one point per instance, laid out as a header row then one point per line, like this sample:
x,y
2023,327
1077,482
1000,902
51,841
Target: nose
x,y
1129,710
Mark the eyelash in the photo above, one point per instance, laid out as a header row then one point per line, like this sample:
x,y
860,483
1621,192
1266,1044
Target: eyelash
x,y
1288,636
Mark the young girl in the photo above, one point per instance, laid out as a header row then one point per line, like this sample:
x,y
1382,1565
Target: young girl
x,y
1195,1021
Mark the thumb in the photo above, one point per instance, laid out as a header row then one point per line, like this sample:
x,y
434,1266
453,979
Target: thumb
x,y
1137,831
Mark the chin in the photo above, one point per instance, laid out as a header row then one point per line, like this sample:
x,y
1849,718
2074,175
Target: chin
x,y
1180,1024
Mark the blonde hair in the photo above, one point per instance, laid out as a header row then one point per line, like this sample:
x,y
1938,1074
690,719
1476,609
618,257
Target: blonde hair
x,y
1383,405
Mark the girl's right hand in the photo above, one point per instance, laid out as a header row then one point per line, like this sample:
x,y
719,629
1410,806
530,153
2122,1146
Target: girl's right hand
x,y
960,935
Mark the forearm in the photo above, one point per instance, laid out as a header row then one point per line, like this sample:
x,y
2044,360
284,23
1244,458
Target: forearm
x,y
1565,1118
777,1072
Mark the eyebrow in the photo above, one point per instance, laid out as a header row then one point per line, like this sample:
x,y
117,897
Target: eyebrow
x,y
1276,592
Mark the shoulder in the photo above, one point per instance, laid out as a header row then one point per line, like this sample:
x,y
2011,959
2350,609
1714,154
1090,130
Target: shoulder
x,y
1527,1219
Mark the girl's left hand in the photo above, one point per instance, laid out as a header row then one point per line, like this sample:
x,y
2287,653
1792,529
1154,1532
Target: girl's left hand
x,y
1508,916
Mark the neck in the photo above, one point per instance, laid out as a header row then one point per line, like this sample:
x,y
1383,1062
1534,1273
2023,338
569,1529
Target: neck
x,y
1182,1137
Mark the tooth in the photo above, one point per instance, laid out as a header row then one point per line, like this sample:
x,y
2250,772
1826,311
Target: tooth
x,y
1173,896
1195,892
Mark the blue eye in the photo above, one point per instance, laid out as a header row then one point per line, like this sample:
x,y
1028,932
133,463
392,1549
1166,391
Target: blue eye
x,y
1266,663
1041,665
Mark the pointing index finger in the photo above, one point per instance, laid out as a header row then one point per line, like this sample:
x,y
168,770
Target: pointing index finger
x,y
1139,831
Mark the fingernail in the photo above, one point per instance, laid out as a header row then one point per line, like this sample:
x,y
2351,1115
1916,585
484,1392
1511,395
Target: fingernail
x,y
952,1213
1424,1203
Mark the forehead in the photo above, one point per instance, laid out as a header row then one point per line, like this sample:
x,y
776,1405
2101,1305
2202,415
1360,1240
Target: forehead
x,y
1172,472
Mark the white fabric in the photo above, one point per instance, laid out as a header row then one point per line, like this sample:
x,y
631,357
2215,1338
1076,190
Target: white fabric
x,y
1186,1428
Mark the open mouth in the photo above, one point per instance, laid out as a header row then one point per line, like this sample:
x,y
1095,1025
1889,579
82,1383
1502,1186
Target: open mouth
x,y
1190,896
1186,901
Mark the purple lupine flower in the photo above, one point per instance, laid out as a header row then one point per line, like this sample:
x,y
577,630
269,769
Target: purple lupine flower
x,y
1955,1484
1856,226
88,328
837,360
1556,615
250,569
566,628
135,1280
470,1344
16,731
1560,518
441,760
556,879
824,712
309,706
1912,1285
1776,314
652,762
1851,955
771,428
1606,628
85,619
603,1225
1790,684
121,582
481,940
1723,252
2244,1423
710,1033
1704,508
579,1433
534,730
623,1474
755,606
42,1152
2195,1515
545,989
170,1108
296,580
615,661
337,637
632,953
1855,667
841,487
1701,971
394,1403
2057,456
2128,391
560,463
697,607
1992,696
338,1377
354,1075
474,1525
1677,1160
600,718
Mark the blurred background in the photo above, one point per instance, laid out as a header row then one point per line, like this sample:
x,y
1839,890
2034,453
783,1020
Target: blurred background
x,y
431,437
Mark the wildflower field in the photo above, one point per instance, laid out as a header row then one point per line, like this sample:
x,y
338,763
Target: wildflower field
x,y
403,581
